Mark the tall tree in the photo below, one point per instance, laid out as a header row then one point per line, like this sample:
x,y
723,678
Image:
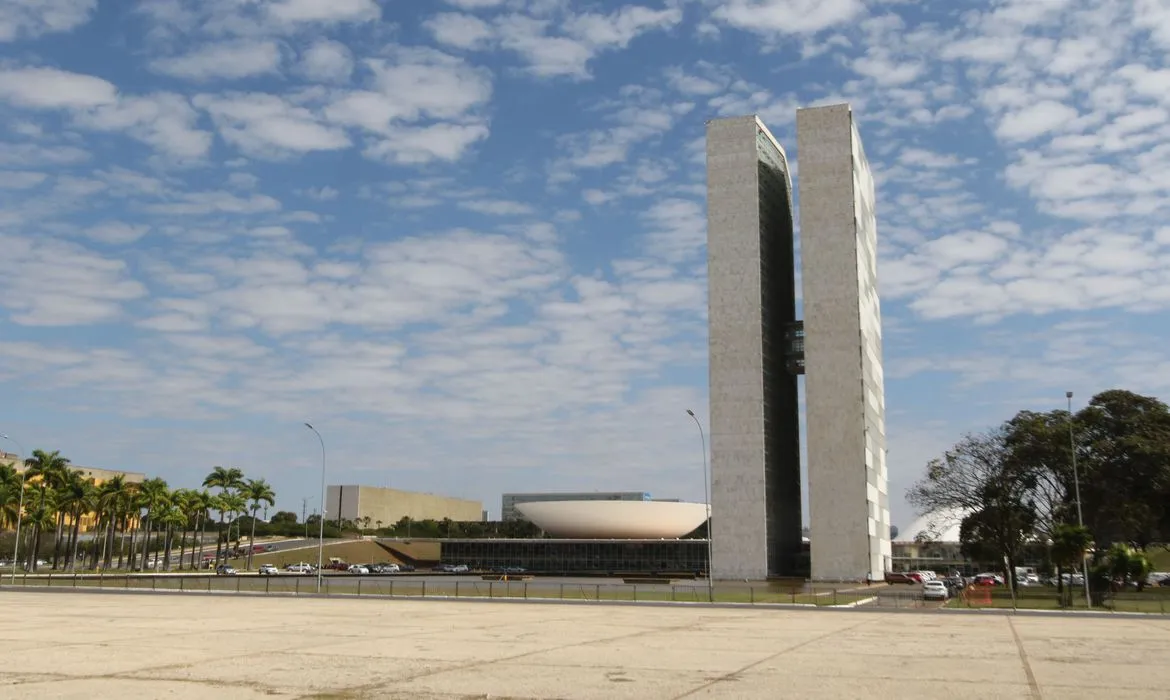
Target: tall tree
x,y
50,469
256,491
226,480
1124,453
202,502
154,496
979,479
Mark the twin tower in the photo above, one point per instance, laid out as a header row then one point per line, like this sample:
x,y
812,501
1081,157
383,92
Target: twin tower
x,y
759,347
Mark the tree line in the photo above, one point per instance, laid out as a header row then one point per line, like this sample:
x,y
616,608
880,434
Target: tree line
x,y
1016,491
128,520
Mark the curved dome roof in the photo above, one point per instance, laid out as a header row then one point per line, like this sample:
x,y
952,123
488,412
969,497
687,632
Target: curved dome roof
x,y
942,526
616,520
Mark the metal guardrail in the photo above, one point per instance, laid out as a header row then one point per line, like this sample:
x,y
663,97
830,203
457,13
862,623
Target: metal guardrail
x,y
344,585
392,586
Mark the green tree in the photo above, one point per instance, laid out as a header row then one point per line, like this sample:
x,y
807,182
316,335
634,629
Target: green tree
x,y
283,518
1123,450
153,497
1069,544
226,480
256,492
979,479
52,471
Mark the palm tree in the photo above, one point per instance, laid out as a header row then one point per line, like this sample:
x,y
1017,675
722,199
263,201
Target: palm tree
x,y
257,491
181,499
201,503
153,496
77,498
236,505
106,505
225,480
11,484
52,469
171,517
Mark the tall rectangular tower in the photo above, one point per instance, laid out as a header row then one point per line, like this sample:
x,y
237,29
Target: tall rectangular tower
x,y
755,431
849,514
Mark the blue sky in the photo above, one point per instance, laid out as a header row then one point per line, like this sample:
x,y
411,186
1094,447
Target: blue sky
x,y
466,239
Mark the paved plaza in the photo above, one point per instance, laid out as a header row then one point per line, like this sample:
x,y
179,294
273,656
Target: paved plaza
x,y
127,646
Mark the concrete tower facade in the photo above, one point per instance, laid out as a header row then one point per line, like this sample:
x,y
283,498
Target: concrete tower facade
x,y
758,348
849,508
755,431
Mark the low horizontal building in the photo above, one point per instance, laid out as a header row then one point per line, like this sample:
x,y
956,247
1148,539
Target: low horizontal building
x,y
388,506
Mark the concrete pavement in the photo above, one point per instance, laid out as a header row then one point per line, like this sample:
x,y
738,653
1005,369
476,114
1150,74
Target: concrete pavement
x,y
84,645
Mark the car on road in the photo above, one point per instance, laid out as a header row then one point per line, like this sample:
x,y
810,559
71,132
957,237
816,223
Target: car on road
x,y
268,570
384,568
935,590
301,568
358,569
225,570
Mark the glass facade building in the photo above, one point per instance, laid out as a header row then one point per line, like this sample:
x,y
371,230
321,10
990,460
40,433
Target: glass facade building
x,y
557,556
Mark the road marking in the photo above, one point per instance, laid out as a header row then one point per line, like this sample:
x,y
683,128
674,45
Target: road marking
x,y
1032,684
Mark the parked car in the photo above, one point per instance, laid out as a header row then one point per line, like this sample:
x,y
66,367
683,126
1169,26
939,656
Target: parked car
x,y
268,570
225,570
988,580
935,590
358,569
901,577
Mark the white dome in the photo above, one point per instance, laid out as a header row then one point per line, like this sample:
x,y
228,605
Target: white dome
x,y
615,520
942,526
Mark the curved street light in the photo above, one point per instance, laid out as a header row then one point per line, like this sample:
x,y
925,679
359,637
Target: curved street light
x,y
19,508
707,498
321,530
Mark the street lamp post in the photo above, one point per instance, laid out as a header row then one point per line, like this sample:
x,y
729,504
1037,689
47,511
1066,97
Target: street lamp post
x,y
1072,444
19,509
321,530
707,498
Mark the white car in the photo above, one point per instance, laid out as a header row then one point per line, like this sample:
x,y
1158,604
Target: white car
x,y
357,569
301,568
935,590
268,570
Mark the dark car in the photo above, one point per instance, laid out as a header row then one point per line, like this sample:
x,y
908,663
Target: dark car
x,y
901,577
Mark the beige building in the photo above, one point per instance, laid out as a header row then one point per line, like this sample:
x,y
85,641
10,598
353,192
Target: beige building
x,y
388,506
99,477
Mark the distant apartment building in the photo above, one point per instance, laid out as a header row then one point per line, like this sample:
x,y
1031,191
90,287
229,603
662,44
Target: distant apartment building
x,y
509,500
388,506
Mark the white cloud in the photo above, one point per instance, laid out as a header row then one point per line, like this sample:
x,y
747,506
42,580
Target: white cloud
x,y
325,11
1035,120
411,145
50,283
116,232
459,30
227,60
20,179
269,126
164,121
28,19
786,16
49,88
496,207
327,61
202,203
584,36
475,4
